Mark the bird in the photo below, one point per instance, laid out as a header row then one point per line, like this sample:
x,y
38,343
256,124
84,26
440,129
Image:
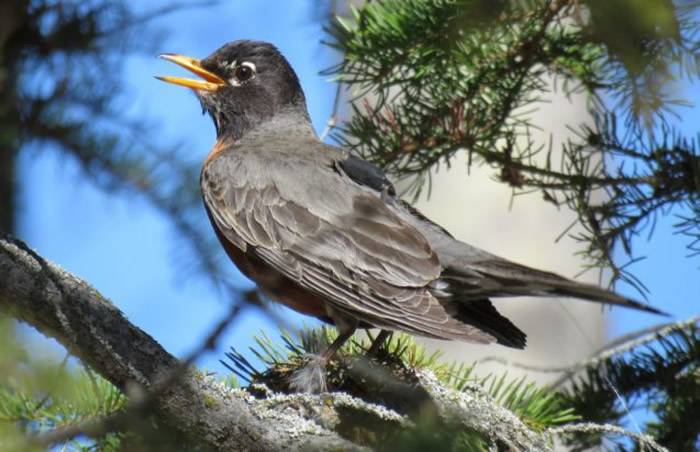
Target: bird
x,y
324,232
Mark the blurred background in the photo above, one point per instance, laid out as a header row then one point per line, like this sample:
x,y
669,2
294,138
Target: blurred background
x,y
111,221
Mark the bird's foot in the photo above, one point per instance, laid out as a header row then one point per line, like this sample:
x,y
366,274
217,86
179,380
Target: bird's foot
x,y
311,378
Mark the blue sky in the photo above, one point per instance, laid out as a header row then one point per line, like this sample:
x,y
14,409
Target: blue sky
x,y
125,248
121,244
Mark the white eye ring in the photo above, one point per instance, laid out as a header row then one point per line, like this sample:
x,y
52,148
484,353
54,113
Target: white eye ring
x,y
250,65
238,79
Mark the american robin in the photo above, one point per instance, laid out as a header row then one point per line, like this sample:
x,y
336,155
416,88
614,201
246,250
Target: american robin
x,y
323,232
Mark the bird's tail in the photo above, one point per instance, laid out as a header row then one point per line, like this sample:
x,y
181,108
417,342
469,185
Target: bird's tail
x,y
600,295
504,278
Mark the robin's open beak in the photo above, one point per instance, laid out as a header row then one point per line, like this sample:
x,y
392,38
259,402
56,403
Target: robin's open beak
x,y
211,81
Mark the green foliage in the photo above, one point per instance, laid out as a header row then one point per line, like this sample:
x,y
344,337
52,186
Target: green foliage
x,y
659,375
632,37
70,399
448,76
662,378
539,408
39,395
458,76
438,437
61,71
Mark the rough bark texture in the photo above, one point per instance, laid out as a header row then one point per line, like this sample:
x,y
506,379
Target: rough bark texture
x,y
68,309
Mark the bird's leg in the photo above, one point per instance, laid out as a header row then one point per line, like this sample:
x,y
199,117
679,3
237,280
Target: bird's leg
x,y
312,377
378,342
342,338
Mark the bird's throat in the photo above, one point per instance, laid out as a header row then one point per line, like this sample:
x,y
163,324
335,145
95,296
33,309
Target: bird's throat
x,y
290,121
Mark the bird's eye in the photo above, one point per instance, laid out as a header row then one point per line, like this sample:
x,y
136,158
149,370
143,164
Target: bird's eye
x,y
245,72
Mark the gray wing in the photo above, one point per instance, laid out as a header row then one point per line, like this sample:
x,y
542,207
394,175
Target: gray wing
x,y
471,273
334,237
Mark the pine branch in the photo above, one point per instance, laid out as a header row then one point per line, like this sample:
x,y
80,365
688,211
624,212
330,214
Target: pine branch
x,y
62,79
482,412
644,441
658,376
616,347
654,369
386,400
399,361
463,76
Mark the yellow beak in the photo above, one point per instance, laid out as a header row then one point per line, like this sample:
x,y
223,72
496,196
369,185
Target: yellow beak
x,y
211,81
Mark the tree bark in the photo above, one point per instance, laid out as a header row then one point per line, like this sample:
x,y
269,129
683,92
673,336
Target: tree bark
x,y
63,306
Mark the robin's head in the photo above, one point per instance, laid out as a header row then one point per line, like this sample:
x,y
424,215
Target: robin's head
x,y
243,84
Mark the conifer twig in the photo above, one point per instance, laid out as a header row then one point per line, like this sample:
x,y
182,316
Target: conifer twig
x,y
618,346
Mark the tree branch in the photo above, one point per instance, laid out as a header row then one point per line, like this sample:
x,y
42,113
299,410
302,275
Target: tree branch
x,y
616,347
62,306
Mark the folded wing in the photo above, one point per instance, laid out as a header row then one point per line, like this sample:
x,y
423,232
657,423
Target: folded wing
x,y
335,238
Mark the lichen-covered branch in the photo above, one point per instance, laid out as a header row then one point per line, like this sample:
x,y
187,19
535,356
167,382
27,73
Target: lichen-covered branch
x,y
474,408
62,306
386,401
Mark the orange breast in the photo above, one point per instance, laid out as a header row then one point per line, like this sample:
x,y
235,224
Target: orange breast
x,y
218,147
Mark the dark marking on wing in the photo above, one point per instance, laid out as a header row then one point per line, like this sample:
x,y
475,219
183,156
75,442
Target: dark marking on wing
x,y
370,175
366,173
